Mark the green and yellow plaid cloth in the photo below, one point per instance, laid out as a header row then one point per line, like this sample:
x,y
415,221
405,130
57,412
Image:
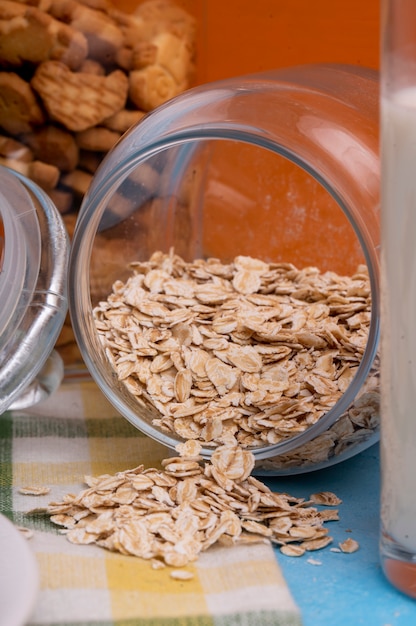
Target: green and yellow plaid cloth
x,y
77,432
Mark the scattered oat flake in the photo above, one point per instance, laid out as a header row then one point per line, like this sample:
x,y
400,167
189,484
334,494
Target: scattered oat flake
x,y
349,545
189,448
27,533
325,497
34,491
317,544
169,516
179,574
292,550
314,561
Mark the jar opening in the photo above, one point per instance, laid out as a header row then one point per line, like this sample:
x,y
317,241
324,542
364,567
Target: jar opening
x,y
221,197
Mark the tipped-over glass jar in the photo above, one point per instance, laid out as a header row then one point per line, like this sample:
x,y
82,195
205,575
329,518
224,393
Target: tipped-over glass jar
x,y
239,225
34,252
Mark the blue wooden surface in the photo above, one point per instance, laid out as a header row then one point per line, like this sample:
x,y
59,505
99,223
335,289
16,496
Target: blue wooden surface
x,y
345,589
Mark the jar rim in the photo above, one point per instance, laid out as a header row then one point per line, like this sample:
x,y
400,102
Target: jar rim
x,y
138,145
32,281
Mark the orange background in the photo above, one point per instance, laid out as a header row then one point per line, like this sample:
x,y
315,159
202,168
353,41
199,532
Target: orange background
x,y
236,37
242,36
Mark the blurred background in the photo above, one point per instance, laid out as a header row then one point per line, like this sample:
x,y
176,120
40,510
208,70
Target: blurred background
x,y
244,36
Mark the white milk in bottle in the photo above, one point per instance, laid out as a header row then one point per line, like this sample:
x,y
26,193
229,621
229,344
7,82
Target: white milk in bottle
x,y
398,355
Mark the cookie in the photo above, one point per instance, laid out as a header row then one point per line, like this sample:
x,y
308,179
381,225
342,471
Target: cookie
x,y
43,174
54,145
77,181
79,100
123,120
103,35
98,139
12,149
151,86
19,109
29,35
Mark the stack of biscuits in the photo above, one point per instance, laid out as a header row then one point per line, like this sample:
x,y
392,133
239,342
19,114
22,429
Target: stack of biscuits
x,y
74,76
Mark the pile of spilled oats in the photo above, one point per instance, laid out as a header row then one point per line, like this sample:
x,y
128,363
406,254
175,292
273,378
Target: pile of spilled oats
x,y
233,356
171,515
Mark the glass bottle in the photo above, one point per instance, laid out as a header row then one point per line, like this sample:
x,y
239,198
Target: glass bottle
x,y
398,294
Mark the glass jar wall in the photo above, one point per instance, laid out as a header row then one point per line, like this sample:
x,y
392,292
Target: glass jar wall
x,y
216,173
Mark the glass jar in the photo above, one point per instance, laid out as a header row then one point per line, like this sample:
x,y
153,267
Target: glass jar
x,y
34,259
282,167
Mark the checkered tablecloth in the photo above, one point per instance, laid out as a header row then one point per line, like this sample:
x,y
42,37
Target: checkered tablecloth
x,y
77,432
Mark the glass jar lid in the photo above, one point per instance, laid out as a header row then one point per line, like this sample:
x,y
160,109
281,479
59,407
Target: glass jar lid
x,y
33,291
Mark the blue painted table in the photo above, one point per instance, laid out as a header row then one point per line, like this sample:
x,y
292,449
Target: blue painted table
x,y
340,589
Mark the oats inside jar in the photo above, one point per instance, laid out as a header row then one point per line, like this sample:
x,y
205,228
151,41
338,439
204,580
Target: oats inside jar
x,y
245,352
